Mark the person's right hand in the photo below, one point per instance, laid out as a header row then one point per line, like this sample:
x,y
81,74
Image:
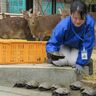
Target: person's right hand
x,y
79,69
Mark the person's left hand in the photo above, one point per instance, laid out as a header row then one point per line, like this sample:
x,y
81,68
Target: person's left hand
x,y
55,57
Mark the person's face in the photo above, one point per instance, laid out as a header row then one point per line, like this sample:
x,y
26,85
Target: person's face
x,y
76,19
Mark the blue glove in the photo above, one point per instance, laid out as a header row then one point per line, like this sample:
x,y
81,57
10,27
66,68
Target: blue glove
x,y
79,69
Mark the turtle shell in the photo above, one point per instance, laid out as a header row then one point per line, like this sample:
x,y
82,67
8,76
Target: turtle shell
x,y
32,84
54,87
83,88
44,86
88,92
20,84
61,92
76,85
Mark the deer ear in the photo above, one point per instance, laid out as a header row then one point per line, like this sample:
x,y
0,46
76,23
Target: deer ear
x,y
3,15
60,10
30,10
21,11
25,14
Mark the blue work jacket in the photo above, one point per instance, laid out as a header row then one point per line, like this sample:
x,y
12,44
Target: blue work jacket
x,y
66,33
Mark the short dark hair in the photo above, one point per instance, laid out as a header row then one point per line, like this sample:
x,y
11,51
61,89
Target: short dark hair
x,y
80,7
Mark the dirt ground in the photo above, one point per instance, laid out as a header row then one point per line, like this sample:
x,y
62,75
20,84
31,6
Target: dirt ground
x,y
93,77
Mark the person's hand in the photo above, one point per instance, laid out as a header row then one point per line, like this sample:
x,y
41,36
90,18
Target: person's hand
x,y
55,56
79,69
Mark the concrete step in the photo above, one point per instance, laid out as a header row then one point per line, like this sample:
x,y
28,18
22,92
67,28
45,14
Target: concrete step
x,y
10,74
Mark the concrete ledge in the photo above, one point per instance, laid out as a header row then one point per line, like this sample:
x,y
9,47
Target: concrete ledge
x,y
9,74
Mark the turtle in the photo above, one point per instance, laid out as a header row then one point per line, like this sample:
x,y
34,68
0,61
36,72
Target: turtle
x,y
44,86
76,85
83,88
88,91
20,83
61,92
32,84
54,87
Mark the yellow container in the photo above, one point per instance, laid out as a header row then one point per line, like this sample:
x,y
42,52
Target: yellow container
x,y
4,52
22,52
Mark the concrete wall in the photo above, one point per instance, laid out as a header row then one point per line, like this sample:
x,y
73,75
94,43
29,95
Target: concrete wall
x,y
10,74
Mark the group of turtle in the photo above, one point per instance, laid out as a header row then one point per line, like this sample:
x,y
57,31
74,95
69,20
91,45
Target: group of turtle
x,y
57,90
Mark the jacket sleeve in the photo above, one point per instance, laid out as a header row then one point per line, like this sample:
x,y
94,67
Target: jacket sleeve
x,y
88,43
56,39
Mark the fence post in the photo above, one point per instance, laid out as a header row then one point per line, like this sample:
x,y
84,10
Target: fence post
x,y
53,6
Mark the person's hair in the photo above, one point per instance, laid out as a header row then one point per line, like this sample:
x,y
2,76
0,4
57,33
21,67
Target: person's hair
x,y
80,7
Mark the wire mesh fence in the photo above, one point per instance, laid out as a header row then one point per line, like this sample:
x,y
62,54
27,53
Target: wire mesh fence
x,y
46,6
16,6
12,6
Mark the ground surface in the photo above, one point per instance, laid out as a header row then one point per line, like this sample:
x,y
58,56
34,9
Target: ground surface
x,y
9,91
93,77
